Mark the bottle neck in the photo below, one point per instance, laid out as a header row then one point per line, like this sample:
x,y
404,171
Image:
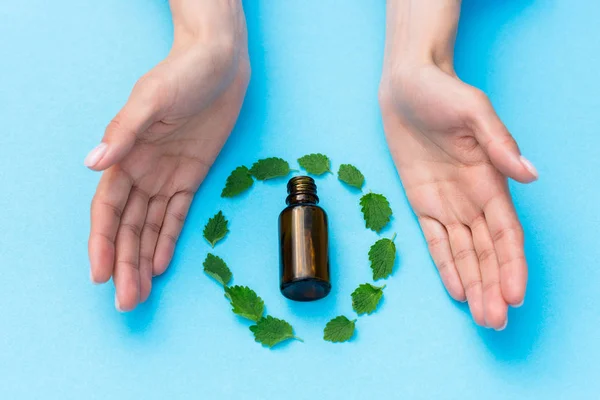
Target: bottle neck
x,y
301,190
301,199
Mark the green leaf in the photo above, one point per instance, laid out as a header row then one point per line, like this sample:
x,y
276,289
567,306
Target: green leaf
x,y
339,329
269,168
238,182
245,302
216,229
315,164
216,268
270,331
366,298
376,211
382,256
350,175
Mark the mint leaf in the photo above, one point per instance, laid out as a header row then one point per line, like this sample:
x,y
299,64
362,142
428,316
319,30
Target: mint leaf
x,y
238,182
339,329
376,210
350,175
270,331
215,229
216,268
366,298
315,164
382,256
245,302
269,168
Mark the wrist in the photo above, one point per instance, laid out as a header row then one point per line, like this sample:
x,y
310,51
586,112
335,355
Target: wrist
x,y
421,32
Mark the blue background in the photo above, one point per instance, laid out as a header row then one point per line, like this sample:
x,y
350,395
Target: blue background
x,y
67,66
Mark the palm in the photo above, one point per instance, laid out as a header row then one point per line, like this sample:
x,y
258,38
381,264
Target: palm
x,y
454,167
175,152
187,108
456,190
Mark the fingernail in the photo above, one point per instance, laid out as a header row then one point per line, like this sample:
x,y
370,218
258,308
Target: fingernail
x,y
520,304
95,155
503,326
527,164
92,279
117,305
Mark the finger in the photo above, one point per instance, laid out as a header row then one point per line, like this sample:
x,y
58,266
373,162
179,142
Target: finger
x,y
176,213
465,258
439,247
507,234
127,275
500,146
152,226
107,207
494,306
140,111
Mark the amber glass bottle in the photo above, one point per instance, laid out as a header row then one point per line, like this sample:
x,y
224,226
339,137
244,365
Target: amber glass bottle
x,y
303,240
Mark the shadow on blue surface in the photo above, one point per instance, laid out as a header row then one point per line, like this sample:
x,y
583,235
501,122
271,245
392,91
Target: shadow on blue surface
x,y
519,339
140,320
523,331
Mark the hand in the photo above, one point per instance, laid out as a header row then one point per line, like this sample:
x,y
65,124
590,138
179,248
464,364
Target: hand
x,y
158,149
453,155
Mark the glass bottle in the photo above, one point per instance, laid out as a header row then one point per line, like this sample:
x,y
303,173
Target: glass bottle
x,y
303,240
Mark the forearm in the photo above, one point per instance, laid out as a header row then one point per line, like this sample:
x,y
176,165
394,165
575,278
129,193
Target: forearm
x,y
203,19
421,31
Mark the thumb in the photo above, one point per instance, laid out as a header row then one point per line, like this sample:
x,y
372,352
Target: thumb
x,y
502,149
121,133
